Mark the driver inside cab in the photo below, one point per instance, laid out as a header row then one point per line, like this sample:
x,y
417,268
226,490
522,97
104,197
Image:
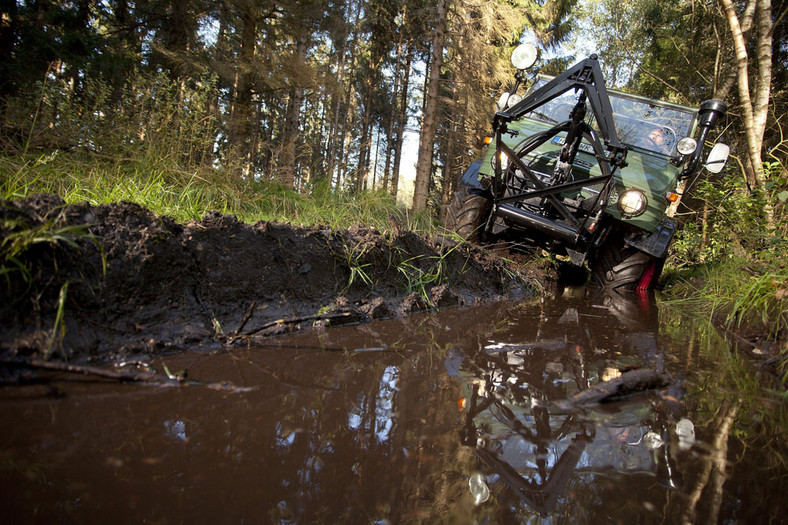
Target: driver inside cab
x,y
657,138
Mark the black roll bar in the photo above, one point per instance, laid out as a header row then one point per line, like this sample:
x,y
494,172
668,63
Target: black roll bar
x,y
586,75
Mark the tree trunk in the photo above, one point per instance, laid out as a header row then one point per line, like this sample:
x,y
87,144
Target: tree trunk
x,y
7,44
241,110
393,113
429,117
335,135
178,40
755,105
214,108
293,121
340,142
402,120
373,167
366,128
447,186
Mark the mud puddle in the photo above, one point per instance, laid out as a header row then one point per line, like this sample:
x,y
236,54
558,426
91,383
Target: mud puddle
x,y
455,417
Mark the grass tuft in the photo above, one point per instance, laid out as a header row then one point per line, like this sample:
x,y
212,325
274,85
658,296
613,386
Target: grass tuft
x,y
185,195
738,293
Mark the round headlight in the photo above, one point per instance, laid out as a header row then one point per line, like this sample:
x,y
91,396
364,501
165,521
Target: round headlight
x,y
504,98
686,145
632,203
514,99
524,56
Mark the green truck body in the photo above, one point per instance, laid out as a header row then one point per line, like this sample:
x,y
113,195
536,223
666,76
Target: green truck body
x,y
586,172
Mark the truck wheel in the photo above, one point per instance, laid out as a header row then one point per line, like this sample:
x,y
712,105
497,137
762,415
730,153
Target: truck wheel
x,y
621,267
467,214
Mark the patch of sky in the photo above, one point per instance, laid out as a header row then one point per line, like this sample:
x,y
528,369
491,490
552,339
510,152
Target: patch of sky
x,y
208,31
284,438
385,403
176,429
354,418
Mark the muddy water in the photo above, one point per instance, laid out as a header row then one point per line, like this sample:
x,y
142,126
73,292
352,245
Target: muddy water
x,y
454,417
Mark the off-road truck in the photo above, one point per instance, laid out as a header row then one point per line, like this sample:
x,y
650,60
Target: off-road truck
x,y
586,172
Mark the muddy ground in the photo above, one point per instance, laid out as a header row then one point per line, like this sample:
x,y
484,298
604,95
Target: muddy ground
x,y
135,283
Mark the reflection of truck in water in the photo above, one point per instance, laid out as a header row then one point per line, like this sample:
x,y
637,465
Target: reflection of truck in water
x,y
529,438
586,172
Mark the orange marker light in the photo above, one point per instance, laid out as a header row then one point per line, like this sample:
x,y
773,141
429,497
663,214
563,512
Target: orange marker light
x,y
672,197
488,140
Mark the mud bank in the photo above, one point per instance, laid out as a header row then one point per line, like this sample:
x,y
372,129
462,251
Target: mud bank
x,y
104,282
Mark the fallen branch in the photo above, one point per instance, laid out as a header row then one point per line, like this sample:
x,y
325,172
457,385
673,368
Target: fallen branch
x,y
627,384
245,320
138,377
294,321
70,368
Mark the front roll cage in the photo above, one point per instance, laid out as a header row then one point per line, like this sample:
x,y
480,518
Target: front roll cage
x,y
585,78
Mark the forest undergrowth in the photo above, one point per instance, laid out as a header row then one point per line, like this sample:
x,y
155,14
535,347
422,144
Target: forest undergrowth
x,y
729,263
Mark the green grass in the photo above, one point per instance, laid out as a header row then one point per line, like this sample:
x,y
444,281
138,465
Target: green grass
x,y
166,189
20,239
421,280
353,256
736,290
739,294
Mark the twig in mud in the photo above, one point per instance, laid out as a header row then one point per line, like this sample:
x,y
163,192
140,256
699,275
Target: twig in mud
x,y
245,320
297,320
57,366
138,377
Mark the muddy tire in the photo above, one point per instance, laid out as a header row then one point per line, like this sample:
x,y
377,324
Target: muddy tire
x,y
467,214
621,267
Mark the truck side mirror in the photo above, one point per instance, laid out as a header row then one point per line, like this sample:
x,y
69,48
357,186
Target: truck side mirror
x,y
717,158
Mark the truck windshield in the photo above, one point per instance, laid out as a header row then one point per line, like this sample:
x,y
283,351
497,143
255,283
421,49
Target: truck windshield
x,y
650,125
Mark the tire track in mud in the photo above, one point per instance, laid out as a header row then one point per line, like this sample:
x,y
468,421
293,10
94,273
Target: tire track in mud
x,y
141,283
